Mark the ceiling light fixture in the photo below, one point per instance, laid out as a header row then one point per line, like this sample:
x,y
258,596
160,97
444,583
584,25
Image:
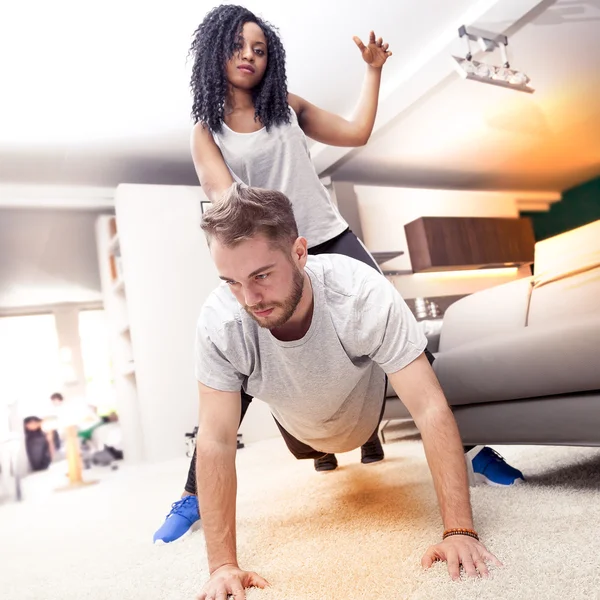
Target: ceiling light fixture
x,y
503,76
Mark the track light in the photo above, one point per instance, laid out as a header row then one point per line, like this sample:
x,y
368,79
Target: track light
x,y
503,76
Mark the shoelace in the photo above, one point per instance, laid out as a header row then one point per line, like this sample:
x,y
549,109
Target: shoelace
x,y
177,507
496,457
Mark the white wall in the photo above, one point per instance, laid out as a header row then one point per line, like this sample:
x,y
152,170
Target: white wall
x,y
168,274
383,212
47,257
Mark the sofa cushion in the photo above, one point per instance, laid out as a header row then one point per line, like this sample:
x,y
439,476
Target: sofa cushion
x,y
486,313
565,295
549,359
568,251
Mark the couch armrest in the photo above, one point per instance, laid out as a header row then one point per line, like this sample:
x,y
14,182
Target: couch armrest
x,y
485,313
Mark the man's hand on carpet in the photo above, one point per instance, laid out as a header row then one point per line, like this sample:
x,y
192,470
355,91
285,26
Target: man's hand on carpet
x,y
462,550
230,581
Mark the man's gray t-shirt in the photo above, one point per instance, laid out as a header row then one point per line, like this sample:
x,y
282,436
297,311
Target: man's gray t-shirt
x,y
327,388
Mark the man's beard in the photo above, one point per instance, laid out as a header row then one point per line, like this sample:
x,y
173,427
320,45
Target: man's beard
x,y
289,305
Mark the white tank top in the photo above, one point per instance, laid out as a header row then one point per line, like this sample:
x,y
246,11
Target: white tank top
x,y
280,160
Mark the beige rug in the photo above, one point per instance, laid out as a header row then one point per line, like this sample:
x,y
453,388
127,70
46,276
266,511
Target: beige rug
x,y
353,534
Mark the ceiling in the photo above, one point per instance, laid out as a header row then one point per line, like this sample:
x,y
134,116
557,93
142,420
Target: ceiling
x,y
100,96
466,134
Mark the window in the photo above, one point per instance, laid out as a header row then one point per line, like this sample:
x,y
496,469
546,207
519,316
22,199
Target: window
x,y
93,333
30,364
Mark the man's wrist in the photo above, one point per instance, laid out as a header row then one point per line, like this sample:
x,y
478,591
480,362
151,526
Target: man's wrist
x,y
459,524
221,565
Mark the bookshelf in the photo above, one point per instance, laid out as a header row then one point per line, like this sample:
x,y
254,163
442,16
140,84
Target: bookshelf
x,y
112,279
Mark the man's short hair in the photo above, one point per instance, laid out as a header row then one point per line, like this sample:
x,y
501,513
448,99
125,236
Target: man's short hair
x,y
57,396
244,212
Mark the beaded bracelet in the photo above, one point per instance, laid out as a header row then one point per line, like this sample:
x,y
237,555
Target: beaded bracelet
x,y
460,531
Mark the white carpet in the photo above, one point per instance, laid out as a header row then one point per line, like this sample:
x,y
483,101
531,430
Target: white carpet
x,y
352,534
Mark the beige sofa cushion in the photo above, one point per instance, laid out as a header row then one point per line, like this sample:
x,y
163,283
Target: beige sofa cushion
x,y
553,358
569,251
567,275
565,295
486,313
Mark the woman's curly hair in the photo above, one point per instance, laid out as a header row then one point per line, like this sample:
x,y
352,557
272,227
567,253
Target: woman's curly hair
x,y
213,45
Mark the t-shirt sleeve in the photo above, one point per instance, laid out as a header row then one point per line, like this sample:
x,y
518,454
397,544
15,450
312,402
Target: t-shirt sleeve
x,y
214,365
387,330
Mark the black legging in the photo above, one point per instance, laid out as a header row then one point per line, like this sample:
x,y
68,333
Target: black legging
x,y
347,244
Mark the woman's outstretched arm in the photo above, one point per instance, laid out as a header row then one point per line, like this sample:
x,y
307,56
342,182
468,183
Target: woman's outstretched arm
x,y
334,130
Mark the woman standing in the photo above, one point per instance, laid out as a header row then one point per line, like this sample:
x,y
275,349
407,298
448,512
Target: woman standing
x,y
250,129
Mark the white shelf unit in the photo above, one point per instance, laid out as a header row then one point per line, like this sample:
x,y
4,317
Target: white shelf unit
x,y
115,307
119,286
129,369
124,329
113,245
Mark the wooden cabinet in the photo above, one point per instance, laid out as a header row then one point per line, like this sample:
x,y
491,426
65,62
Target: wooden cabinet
x,y
459,243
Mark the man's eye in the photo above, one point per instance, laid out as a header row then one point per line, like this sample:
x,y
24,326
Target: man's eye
x,y
230,282
262,276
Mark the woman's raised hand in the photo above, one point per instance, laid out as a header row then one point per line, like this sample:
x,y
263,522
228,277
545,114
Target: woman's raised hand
x,y
375,53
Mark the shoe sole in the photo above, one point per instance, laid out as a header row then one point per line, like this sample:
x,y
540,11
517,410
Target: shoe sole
x,y
197,525
479,478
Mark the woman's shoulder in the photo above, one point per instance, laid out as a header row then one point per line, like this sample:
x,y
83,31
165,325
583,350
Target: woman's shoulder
x,y
200,129
202,136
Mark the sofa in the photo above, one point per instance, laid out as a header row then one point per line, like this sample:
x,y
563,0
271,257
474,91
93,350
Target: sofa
x,y
520,363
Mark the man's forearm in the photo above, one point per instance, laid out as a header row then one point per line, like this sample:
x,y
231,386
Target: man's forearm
x,y
445,455
217,489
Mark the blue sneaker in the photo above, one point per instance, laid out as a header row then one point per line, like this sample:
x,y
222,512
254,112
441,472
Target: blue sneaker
x,y
183,519
490,468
